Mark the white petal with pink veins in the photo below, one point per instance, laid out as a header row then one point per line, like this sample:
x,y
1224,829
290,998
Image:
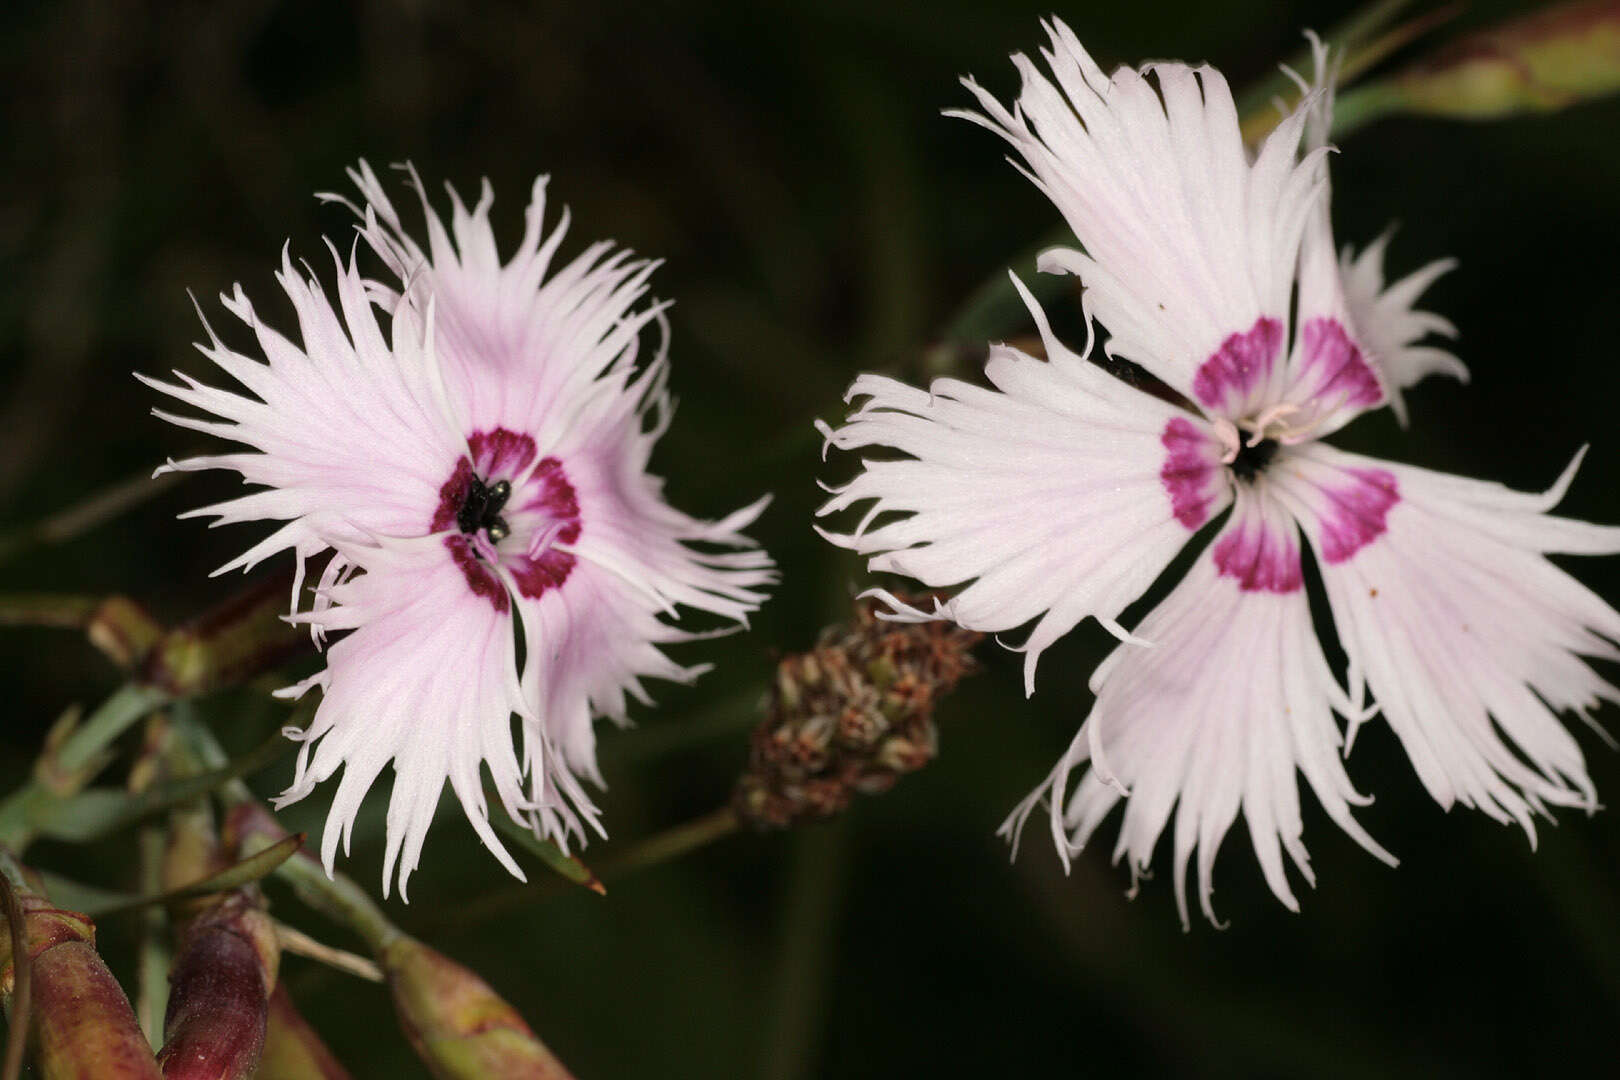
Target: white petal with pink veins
x,y
1060,494
1469,638
352,435
1189,247
480,475
1233,700
385,701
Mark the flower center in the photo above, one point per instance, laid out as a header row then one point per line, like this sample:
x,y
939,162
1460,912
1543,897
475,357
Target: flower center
x,y
1252,458
516,523
481,509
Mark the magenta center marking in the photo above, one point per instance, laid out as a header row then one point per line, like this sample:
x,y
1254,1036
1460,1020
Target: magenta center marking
x,y
1261,558
1334,368
1355,513
1189,471
1243,362
541,511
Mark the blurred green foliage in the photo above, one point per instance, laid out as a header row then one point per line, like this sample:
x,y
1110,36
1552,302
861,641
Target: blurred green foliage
x,y
818,218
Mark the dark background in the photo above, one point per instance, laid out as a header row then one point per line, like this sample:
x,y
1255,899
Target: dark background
x,y
819,218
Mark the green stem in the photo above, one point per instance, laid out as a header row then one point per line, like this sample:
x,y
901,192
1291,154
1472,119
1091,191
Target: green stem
x,y
658,848
815,892
1361,106
337,897
152,949
63,610
127,705
86,514
672,843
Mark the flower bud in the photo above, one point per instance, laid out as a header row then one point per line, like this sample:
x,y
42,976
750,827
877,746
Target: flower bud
x,y
458,1025
239,639
219,992
852,715
1548,59
82,1024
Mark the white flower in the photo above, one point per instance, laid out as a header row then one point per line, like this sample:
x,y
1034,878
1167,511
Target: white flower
x,y
479,473
1064,492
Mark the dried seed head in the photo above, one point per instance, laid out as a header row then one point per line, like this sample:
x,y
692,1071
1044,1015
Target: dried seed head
x,y
852,715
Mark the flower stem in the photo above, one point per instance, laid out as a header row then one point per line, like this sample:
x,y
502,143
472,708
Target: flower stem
x,y
336,897
127,705
65,611
86,514
661,847
673,842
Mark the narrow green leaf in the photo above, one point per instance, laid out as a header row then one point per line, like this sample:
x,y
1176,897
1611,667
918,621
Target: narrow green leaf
x,y
549,853
78,896
249,870
84,817
99,812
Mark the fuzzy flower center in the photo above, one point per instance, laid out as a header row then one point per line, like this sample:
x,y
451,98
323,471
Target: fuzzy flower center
x,y
510,510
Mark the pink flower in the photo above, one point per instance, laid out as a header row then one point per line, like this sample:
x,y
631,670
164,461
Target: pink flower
x,y
1064,492
479,474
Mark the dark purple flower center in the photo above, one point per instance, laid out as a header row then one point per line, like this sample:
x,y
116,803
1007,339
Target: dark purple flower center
x,y
481,509
506,512
1251,461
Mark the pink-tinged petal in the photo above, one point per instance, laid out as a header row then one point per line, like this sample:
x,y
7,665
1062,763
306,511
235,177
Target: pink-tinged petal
x,y
470,504
595,605
1230,703
1189,247
427,680
1390,325
1060,494
526,351
351,436
1331,378
1355,348
1259,552
1469,638
1354,510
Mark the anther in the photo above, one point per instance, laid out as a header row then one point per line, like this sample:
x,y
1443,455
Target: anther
x,y
481,509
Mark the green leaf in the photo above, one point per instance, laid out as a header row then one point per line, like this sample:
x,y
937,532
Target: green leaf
x,y
78,896
549,853
83,817
99,812
246,872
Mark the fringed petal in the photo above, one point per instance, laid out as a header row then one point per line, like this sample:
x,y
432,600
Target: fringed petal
x,y
1189,247
1469,638
1061,494
1233,700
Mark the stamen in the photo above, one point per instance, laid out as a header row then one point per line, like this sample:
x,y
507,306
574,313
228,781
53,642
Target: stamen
x,y
481,510
1260,423
1227,433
